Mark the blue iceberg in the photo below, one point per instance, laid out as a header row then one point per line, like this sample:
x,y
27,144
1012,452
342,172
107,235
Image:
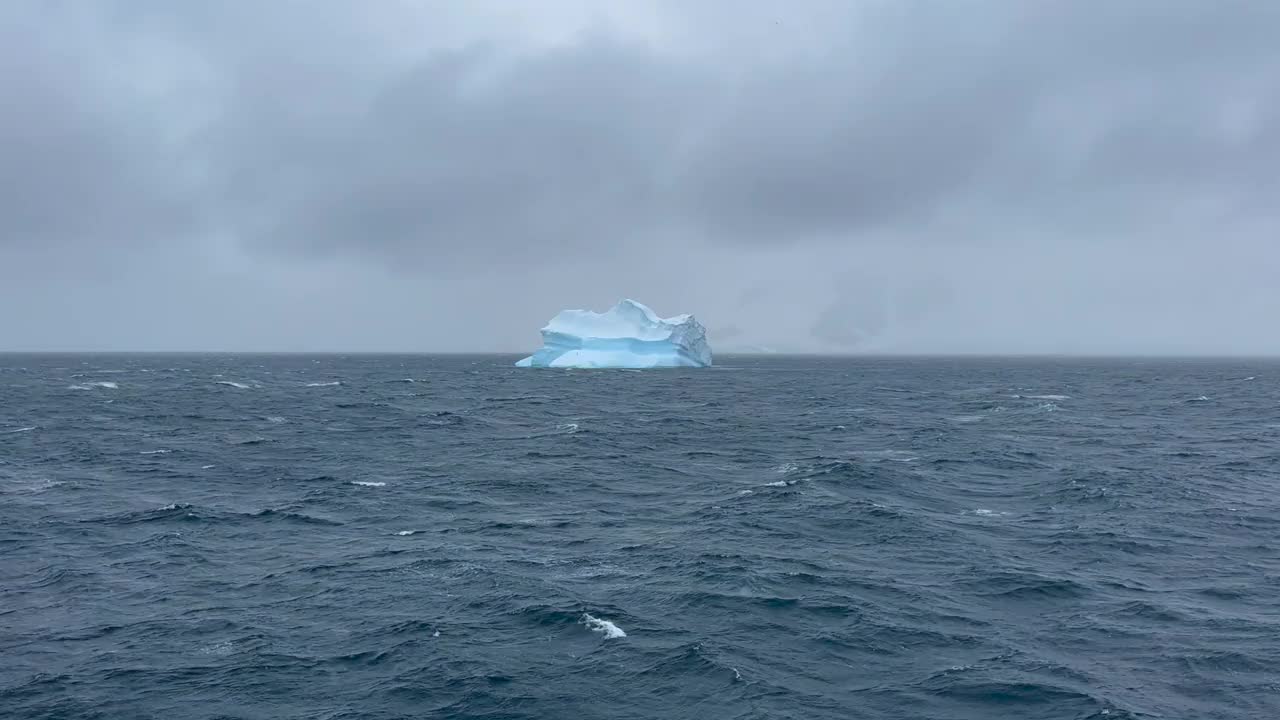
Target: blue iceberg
x,y
629,335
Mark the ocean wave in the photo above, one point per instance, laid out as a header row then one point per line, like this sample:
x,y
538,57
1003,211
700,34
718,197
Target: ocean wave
x,y
31,486
333,383
18,430
292,517
154,452
874,582
368,483
105,384
234,384
531,399
602,626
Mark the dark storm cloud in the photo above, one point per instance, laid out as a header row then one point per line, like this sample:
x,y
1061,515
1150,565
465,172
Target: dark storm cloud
x,y
311,137
563,150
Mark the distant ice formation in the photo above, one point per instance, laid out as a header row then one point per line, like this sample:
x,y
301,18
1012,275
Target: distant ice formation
x,y
629,335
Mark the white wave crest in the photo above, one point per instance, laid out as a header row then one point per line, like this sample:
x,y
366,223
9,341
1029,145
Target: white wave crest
x,y
324,384
277,419
79,387
208,467
101,383
1046,397
600,625
19,430
407,532
232,383
368,483
568,427
35,487
155,452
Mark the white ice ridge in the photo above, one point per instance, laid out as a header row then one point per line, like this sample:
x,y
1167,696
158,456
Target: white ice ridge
x,y
628,335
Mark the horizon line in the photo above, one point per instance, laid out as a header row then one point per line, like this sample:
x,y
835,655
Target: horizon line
x,y
803,354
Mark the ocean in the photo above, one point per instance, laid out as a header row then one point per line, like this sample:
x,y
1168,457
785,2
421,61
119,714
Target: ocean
x,y
327,536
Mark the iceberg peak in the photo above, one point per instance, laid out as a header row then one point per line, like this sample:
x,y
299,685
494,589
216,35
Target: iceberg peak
x,y
628,335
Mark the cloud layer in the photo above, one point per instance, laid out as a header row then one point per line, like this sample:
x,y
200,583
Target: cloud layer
x,y
893,176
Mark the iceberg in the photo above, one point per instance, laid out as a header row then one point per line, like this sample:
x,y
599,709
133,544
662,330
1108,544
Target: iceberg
x,y
628,335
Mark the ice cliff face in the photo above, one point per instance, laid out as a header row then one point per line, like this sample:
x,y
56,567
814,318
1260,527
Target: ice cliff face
x,y
629,335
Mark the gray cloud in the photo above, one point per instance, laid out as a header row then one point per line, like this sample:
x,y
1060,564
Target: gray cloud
x,y
566,154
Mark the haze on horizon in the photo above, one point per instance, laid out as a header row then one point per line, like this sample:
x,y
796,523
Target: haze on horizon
x,y
896,176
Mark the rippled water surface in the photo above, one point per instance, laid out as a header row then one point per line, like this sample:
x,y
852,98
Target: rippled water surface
x,y
450,537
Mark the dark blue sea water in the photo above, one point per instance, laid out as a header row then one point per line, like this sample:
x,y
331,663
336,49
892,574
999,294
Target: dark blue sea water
x,y
450,537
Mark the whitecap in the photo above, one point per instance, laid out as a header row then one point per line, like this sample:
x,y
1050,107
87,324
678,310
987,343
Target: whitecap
x,y
780,483
324,384
988,513
1047,397
435,634
600,625
155,452
368,483
19,430
785,468
226,647
232,383
276,419
1047,407
746,492
407,532
968,418
568,427
79,387
105,384
38,486
208,467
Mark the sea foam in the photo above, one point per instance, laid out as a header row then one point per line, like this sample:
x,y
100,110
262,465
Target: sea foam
x,y
600,625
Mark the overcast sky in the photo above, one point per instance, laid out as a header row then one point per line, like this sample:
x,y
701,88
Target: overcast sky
x,y
996,176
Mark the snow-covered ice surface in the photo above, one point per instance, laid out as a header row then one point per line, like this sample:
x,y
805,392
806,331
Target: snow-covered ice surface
x,y
628,335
